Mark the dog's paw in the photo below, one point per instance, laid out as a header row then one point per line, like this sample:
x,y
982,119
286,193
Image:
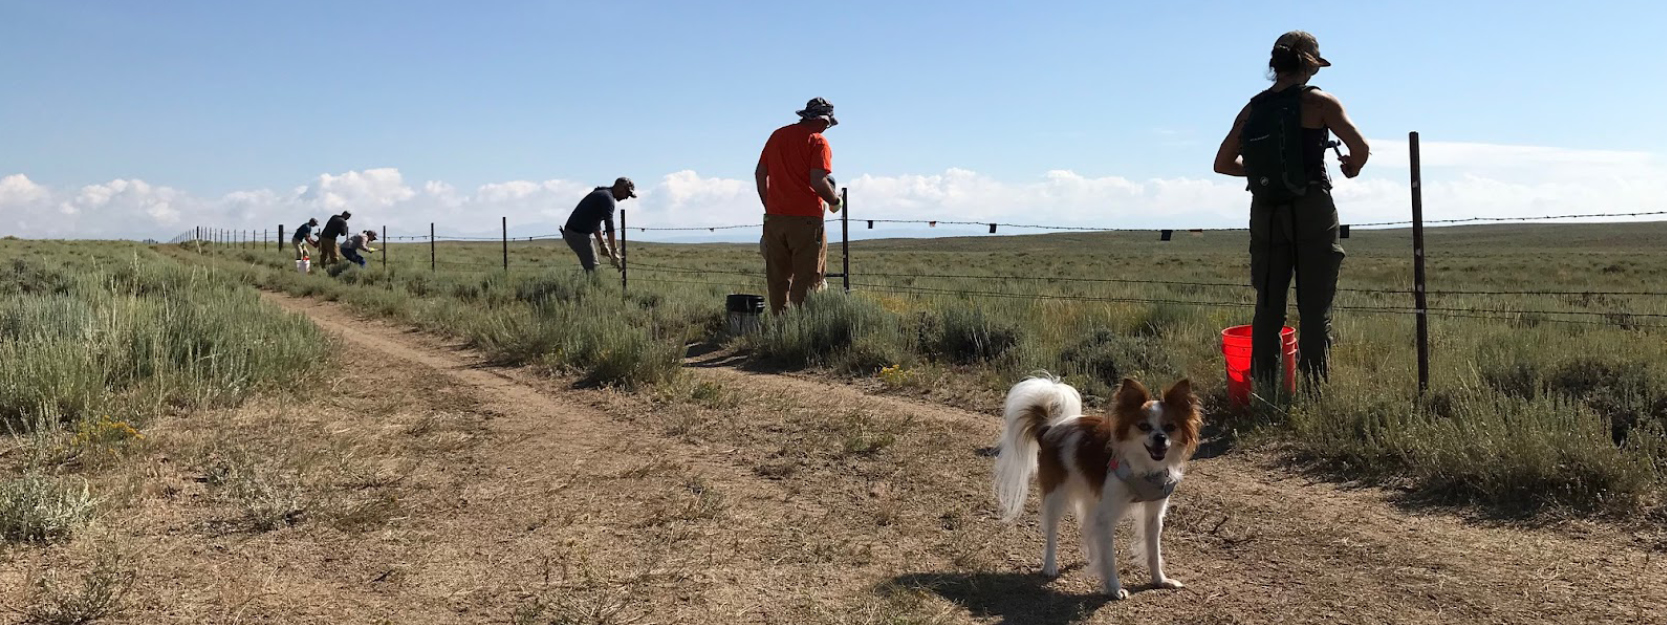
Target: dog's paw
x,y
1118,593
1050,571
1171,584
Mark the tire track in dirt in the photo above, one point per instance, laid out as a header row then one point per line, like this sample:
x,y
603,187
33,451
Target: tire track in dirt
x,y
563,481
1255,543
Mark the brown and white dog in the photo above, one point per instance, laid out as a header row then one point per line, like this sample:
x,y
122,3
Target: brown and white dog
x,y
1124,464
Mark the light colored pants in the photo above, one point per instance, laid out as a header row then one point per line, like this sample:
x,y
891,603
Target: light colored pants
x,y
300,248
795,257
329,253
584,247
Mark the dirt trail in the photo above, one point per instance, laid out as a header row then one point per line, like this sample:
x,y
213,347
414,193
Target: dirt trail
x,y
771,498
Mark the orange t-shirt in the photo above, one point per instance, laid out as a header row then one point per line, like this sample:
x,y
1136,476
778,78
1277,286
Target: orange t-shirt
x,y
788,157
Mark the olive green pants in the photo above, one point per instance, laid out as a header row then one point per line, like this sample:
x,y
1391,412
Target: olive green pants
x,y
1301,238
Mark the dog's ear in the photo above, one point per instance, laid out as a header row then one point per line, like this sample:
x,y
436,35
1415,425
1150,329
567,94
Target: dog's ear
x,y
1180,394
1131,395
1183,408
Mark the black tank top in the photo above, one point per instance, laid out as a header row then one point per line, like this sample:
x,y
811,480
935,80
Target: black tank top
x,y
1314,142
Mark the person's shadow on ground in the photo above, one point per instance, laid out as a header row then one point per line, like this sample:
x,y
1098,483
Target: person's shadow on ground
x,y
1015,598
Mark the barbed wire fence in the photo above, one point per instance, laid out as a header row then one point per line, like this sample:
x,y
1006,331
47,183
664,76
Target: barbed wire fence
x,y
1411,300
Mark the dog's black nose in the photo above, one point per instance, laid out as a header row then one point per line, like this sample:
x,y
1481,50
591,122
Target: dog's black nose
x,y
1160,439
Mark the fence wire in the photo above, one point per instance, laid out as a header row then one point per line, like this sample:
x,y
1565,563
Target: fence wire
x,y
888,281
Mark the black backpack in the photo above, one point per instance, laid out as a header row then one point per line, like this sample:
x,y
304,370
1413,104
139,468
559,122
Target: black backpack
x,y
1271,145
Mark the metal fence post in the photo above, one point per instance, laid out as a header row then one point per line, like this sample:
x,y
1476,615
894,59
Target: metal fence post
x,y
280,236
1418,293
623,264
845,238
506,242
431,247
384,248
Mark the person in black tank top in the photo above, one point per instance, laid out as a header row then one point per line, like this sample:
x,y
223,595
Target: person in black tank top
x,y
1299,237
1315,141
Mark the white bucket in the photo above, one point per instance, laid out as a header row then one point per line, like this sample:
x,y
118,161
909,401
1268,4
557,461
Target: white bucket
x,y
304,265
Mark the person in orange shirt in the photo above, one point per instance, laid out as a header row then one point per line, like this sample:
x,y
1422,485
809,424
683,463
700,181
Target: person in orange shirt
x,y
795,187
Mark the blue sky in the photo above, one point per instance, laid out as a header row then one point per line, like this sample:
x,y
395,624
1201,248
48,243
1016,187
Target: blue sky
x,y
208,99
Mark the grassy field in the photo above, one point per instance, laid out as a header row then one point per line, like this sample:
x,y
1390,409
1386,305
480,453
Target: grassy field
x,y
99,342
155,406
1545,402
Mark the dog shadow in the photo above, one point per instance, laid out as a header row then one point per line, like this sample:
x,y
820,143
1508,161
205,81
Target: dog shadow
x,y
1014,598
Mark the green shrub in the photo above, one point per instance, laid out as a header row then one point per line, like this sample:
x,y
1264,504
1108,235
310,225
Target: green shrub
x,y
1504,451
966,335
41,508
826,328
1105,357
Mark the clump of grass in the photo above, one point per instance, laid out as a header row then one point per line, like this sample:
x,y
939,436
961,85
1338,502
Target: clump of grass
x,y
872,353
829,327
558,288
1626,392
585,338
1164,320
40,508
862,435
579,595
1506,452
573,609
695,501
267,496
100,594
269,500
1105,357
713,395
287,487
967,335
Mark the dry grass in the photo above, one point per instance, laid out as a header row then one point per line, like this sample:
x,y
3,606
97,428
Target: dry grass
x,y
965,339
597,506
100,592
413,484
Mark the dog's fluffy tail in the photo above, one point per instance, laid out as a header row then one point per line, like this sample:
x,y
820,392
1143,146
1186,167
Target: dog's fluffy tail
x,y
1033,406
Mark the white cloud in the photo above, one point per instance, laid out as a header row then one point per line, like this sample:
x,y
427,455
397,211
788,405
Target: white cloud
x,y
120,199
377,188
18,189
1461,180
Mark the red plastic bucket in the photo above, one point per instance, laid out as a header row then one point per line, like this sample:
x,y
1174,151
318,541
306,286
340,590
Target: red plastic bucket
x,y
1235,347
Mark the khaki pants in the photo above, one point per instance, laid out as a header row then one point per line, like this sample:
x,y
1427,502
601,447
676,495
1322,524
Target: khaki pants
x,y
795,256
300,248
328,252
582,245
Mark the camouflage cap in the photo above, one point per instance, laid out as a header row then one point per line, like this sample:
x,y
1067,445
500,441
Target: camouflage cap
x,y
819,108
